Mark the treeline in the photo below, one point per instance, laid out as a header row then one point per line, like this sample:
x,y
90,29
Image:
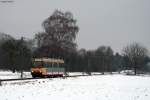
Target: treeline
x,y
16,55
58,41
103,59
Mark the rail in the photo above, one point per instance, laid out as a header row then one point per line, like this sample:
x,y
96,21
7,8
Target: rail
x,y
20,79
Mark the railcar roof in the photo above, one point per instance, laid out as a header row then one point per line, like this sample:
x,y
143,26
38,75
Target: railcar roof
x,y
49,60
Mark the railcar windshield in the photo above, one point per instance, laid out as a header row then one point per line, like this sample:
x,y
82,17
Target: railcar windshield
x,y
37,64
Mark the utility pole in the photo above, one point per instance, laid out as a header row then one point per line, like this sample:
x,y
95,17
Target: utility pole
x,y
0,83
103,65
21,54
88,69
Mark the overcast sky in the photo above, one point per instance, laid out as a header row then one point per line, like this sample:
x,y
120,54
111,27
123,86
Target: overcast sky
x,y
114,23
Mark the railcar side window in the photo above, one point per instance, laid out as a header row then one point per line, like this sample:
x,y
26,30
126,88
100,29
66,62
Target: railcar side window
x,y
47,65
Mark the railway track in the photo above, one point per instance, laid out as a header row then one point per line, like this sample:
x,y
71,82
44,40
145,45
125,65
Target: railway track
x,y
20,79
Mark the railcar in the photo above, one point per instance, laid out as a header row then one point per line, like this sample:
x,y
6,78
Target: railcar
x,y
47,67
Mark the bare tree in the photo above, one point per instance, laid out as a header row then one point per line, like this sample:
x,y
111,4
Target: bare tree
x,y
39,37
4,37
136,54
60,32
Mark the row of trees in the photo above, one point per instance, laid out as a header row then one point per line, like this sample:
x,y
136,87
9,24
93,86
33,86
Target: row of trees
x,y
103,59
58,41
15,55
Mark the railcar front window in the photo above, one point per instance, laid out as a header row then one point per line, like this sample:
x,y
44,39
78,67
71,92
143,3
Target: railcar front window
x,y
37,64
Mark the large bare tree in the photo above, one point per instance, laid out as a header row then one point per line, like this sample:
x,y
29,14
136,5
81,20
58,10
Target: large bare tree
x,y
60,32
136,54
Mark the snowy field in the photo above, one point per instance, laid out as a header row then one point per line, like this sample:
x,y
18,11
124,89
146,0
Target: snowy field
x,y
10,75
102,87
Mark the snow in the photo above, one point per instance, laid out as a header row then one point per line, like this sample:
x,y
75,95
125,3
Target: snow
x,y
10,75
99,87
76,73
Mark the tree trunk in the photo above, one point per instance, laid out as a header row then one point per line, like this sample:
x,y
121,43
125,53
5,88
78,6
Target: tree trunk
x,y
0,83
134,70
21,73
13,70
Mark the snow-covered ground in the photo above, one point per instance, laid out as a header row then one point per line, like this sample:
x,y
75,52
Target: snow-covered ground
x,y
10,75
102,87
